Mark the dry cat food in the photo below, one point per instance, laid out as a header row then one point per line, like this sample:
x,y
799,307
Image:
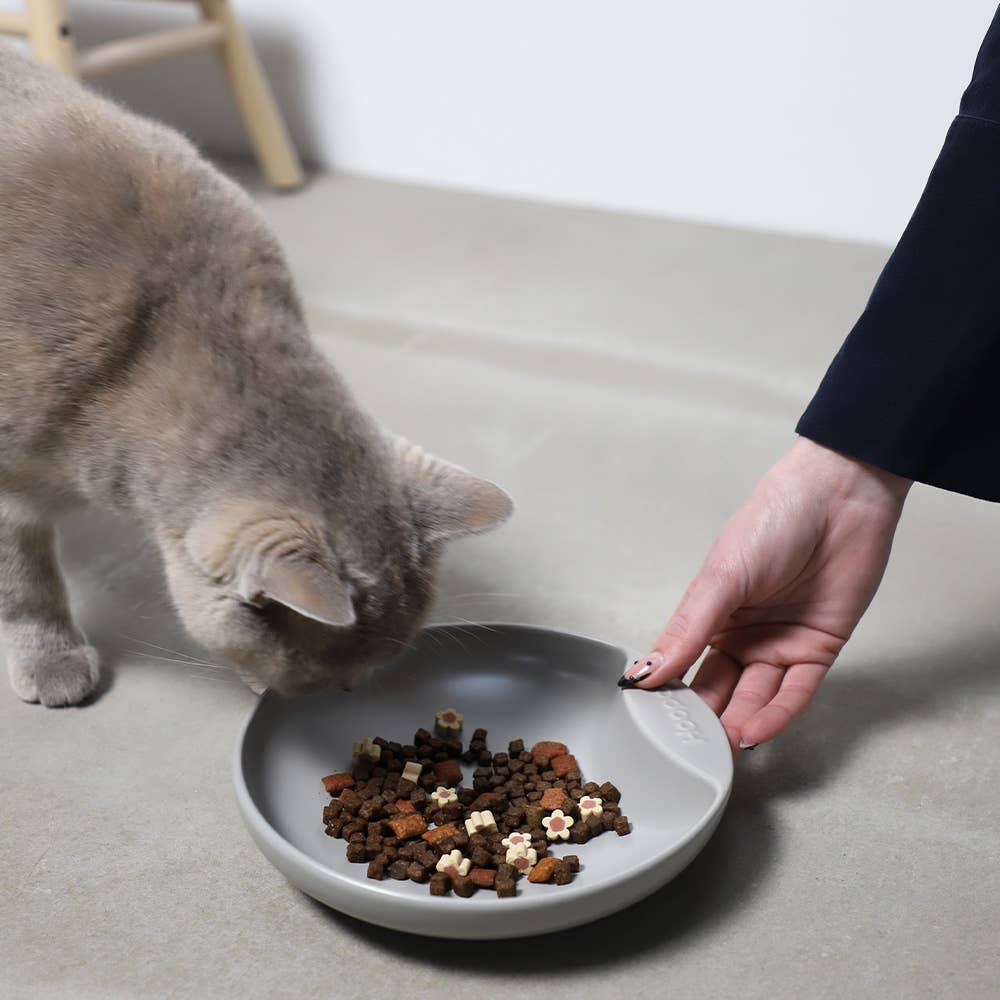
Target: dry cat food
x,y
404,811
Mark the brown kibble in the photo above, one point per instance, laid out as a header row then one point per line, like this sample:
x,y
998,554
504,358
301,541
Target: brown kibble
x,y
609,792
336,783
515,748
580,833
608,820
376,869
533,816
563,874
448,773
407,825
483,877
548,748
440,833
440,884
480,857
398,870
350,801
544,870
573,861
505,870
555,798
353,827
505,887
416,872
463,885
356,852
622,826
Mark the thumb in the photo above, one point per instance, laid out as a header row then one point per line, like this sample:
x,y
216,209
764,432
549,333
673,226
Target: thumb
x,y
711,598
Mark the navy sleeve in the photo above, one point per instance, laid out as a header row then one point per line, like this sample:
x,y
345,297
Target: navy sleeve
x,y
915,389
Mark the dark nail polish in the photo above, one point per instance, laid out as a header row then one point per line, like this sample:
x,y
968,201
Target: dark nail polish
x,y
627,682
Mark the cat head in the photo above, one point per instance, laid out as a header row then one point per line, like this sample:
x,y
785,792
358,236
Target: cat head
x,y
305,596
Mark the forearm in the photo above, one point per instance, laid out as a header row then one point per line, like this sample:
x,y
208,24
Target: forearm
x,y
913,388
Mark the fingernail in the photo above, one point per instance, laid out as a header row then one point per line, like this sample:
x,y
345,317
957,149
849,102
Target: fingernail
x,y
747,746
646,665
626,682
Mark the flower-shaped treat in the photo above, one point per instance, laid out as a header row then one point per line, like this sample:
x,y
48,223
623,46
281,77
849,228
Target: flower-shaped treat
x,y
442,796
557,825
522,858
591,806
454,863
448,721
517,840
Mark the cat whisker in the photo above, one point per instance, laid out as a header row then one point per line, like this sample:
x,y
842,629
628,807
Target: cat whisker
x,y
455,627
164,649
468,621
196,665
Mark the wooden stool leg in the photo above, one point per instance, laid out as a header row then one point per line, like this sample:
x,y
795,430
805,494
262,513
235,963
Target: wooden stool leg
x,y
50,34
254,99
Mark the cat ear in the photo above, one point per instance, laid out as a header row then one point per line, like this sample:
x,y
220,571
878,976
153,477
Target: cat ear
x,y
267,557
450,501
304,587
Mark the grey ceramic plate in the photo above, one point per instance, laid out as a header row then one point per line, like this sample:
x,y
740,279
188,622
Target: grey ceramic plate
x,y
665,750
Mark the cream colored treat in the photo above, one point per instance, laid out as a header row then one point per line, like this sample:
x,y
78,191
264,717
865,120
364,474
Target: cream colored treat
x,y
517,840
480,822
454,862
557,825
411,772
522,858
366,748
442,796
590,805
448,722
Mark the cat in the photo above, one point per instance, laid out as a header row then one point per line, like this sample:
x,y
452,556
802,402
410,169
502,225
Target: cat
x,y
154,360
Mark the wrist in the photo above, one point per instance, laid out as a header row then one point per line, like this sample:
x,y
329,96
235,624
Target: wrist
x,y
844,475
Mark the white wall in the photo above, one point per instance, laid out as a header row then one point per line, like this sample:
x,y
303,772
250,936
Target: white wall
x,y
784,114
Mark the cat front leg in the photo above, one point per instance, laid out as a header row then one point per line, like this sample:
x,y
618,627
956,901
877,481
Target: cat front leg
x,y
48,659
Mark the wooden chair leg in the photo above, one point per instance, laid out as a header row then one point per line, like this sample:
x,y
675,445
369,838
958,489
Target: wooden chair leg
x,y
51,35
254,99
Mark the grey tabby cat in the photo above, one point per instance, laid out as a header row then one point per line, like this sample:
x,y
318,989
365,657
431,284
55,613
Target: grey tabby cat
x,y
154,360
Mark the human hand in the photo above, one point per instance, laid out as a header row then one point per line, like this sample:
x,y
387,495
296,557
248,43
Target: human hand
x,y
781,591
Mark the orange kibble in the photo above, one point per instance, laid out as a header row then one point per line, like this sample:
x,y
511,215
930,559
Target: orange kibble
x,y
544,870
563,764
553,798
336,783
405,806
549,748
483,877
408,825
440,833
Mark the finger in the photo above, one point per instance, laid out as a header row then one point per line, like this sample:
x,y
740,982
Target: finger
x,y
797,690
712,597
715,680
757,686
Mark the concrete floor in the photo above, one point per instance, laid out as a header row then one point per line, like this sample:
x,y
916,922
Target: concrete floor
x,y
628,380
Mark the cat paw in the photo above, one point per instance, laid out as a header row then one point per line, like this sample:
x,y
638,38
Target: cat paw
x,y
54,678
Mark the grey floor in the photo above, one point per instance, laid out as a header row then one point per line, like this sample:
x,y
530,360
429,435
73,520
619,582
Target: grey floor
x,y
628,380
